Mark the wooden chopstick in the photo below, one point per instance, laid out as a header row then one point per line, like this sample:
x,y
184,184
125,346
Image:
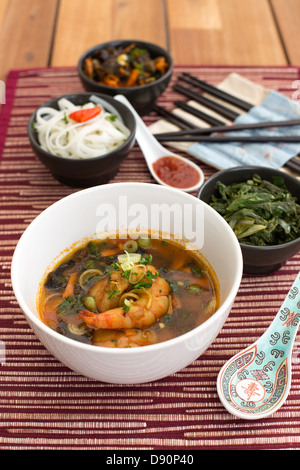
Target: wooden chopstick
x,y
200,114
218,108
214,91
228,128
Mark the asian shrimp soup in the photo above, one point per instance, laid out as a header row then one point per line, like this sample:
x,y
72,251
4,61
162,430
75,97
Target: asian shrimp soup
x,y
128,293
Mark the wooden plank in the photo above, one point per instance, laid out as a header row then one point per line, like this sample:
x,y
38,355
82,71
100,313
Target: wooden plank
x,y
82,25
224,32
287,13
3,8
26,34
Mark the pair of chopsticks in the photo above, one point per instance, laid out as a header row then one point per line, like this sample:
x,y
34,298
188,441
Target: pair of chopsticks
x,y
191,133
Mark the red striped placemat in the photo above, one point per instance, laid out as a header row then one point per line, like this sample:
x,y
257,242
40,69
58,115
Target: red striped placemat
x,y
43,404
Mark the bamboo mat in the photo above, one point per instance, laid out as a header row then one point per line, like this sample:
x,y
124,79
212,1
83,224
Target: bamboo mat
x,y
43,404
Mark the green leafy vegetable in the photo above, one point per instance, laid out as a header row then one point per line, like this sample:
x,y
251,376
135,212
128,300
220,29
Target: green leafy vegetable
x,y
260,212
70,306
93,249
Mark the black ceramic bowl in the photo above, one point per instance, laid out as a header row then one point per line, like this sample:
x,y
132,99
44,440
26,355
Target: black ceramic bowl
x,y
142,97
258,260
85,172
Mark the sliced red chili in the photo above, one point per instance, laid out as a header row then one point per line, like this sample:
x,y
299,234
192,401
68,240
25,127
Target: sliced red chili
x,y
84,115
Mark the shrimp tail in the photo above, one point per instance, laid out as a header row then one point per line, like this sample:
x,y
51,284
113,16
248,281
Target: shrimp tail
x,y
111,319
87,316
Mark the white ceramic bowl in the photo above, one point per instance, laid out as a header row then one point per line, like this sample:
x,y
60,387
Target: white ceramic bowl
x,y
83,214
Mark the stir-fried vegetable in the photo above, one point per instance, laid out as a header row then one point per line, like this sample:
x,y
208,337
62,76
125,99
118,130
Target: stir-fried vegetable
x,y
260,212
124,66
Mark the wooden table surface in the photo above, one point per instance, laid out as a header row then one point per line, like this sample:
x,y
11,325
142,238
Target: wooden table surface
x,y
38,33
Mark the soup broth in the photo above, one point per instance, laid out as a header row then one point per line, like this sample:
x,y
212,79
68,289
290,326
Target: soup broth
x,y
128,293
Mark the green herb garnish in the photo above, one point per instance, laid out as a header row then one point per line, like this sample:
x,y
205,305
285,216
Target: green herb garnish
x,y
112,293
125,307
111,117
147,259
65,119
70,306
197,271
93,248
115,267
147,280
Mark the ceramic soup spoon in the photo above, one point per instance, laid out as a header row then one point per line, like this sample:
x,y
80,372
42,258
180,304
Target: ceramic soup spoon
x,y
256,382
154,151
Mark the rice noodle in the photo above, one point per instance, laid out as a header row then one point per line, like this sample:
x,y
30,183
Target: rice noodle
x,y
61,136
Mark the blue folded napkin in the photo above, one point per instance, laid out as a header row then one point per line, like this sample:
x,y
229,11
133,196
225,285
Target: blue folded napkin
x,y
275,107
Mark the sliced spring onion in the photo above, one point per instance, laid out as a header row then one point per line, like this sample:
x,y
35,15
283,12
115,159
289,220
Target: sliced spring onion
x,y
77,330
128,260
127,298
144,241
132,257
131,246
90,303
194,288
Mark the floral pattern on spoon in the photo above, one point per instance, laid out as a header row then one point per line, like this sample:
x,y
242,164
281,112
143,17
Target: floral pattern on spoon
x,y
256,382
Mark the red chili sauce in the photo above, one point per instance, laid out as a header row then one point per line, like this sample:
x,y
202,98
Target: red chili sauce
x,y
175,172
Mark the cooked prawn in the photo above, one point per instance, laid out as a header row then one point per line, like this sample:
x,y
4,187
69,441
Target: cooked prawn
x,y
137,316
143,310
102,291
129,338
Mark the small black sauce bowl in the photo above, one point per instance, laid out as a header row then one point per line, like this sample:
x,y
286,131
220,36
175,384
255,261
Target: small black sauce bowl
x,y
84,172
258,260
142,98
